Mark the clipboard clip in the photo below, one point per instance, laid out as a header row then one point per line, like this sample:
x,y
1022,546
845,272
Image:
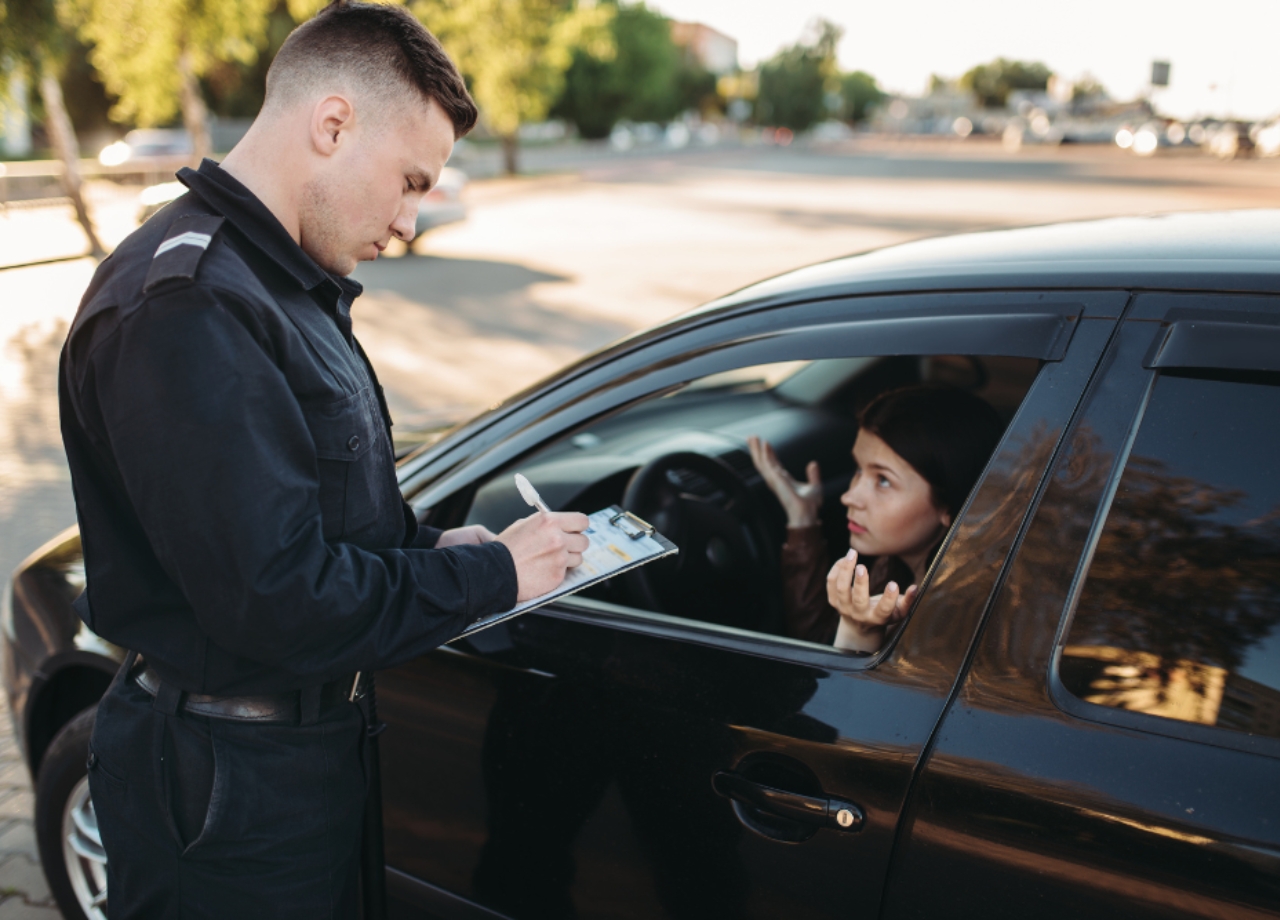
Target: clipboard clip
x,y
633,526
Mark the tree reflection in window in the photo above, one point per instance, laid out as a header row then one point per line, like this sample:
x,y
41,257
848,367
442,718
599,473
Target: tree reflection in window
x,y
1179,615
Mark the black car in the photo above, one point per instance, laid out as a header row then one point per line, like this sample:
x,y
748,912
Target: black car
x,y
1080,717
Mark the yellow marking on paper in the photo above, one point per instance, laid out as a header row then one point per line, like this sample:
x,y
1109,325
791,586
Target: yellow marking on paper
x,y
619,552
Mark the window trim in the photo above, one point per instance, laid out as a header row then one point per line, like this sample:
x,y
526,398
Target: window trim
x,y
612,386
1216,345
1096,713
1000,324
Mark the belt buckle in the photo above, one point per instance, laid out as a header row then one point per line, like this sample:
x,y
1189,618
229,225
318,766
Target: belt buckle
x,y
357,690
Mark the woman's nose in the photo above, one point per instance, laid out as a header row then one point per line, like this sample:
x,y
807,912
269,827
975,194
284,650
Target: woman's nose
x,y
852,497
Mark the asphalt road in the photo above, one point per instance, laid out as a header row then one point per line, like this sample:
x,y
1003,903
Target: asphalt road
x,y
550,266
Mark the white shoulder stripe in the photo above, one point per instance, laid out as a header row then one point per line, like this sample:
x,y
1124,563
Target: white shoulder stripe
x,y
184,239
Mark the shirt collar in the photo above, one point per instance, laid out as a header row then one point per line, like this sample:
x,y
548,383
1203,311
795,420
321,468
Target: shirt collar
x,y
226,195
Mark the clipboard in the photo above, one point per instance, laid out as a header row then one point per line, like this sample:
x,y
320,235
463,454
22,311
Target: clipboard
x,y
620,542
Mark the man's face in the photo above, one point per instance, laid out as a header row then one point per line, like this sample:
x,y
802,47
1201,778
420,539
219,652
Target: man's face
x,y
369,190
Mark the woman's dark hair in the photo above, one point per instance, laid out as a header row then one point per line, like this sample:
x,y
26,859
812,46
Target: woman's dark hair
x,y
946,434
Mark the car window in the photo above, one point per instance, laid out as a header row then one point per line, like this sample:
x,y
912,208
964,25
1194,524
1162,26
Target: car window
x,y
1179,615
708,496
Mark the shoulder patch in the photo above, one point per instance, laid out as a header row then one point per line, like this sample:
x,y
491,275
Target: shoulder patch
x,y
178,257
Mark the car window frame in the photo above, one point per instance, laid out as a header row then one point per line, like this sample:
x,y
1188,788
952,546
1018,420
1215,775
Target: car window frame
x,y
1161,314
805,332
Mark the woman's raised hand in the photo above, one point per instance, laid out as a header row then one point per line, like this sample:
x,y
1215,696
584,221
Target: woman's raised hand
x,y
863,617
802,501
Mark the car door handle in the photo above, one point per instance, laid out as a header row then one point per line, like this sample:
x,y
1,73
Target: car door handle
x,y
803,809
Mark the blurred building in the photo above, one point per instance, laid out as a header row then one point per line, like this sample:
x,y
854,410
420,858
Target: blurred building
x,y
715,51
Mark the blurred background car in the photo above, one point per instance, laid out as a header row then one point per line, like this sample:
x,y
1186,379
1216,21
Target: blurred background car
x,y
443,204
144,143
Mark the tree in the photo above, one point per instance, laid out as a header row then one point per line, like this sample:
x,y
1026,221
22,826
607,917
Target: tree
x,y
794,83
858,92
31,36
993,82
152,53
647,78
514,54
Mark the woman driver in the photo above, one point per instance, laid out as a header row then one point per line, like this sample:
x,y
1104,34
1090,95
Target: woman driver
x,y
918,453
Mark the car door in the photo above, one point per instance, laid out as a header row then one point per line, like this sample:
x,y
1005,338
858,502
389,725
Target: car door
x,y
592,759
1115,747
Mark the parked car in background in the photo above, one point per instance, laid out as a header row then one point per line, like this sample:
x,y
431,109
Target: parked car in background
x,y
1080,717
443,204
142,144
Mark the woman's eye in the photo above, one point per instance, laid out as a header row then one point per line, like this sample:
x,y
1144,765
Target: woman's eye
x,y
882,482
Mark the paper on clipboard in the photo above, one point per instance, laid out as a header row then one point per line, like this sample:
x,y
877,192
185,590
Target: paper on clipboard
x,y
619,541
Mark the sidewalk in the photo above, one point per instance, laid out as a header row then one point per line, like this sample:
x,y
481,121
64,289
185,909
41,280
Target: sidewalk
x,y
23,890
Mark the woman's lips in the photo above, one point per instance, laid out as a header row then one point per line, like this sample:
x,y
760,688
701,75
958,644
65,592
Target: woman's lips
x,y
855,527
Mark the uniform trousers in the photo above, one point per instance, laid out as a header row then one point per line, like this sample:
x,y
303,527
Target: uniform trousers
x,y
211,818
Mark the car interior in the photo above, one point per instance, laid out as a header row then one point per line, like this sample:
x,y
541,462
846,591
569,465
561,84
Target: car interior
x,y
680,462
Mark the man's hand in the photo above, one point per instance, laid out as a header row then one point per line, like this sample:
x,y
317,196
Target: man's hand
x,y
473,535
545,545
863,617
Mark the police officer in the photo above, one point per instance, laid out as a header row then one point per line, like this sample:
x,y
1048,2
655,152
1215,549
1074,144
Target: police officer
x,y
235,484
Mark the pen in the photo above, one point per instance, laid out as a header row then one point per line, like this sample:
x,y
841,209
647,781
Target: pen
x,y
529,493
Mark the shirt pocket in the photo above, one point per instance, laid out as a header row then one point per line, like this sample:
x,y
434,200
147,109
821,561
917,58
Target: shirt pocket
x,y
344,434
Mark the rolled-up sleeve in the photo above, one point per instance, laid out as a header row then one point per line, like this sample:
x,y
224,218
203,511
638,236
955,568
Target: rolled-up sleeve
x,y
220,467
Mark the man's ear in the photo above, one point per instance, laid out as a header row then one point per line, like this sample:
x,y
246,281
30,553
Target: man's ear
x,y
331,121
944,517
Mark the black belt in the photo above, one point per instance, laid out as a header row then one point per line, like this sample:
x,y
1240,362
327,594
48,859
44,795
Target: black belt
x,y
296,707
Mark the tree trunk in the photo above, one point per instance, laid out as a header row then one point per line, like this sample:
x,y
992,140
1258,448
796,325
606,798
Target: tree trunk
x,y
195,114
67,149
510,151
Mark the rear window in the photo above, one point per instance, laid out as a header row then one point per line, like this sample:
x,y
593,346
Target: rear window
x,y
1178,617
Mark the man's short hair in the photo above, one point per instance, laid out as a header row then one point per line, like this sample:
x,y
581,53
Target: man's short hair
x,y
369,47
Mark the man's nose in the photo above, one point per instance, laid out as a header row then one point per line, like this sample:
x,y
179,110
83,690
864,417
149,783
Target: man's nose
x,y
406,223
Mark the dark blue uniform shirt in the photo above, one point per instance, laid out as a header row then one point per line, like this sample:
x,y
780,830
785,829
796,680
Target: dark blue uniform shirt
x,y
232,463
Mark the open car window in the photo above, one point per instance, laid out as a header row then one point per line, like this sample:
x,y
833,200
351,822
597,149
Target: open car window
x,y
680,460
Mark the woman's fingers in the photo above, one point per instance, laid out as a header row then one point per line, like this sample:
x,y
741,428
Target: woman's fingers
x,y
840,582
887,604
767,465
861,591
814,475
903,607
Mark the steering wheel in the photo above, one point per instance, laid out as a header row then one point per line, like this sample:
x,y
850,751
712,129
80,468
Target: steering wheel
x,y
726,571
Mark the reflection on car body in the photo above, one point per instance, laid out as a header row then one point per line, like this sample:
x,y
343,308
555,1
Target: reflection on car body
x,y
1076,718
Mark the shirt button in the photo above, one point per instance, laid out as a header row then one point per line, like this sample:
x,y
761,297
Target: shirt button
x,y
353,443
93,760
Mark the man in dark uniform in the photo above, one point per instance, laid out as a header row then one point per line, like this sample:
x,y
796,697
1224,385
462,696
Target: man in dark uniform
x,y
235,484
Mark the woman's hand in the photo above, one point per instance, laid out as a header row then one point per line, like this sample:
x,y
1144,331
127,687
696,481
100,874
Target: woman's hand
x,y
802,501
863,617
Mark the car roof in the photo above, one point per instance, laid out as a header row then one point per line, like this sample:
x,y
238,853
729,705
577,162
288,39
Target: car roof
x,y
1199,251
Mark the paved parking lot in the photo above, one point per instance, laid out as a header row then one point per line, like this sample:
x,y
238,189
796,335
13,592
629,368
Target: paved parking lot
x,y
549,267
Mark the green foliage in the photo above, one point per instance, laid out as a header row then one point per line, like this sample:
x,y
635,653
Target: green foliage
x,y
514,53
237,90
138,45
794,83
30,36
648,78
991,83
858,92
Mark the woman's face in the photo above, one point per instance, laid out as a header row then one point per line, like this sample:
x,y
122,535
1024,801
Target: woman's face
x,y
889,505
